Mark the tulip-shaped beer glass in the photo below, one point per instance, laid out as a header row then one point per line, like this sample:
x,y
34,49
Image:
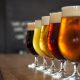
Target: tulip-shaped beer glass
x,y
44,43
55,19
29,37
36,39
69,37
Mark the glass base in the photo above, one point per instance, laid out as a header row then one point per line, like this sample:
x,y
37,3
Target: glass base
x,y
32,66
41,68
49,72
73,77
60,75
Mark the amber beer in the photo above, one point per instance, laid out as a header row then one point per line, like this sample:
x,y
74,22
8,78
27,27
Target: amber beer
x,y
44,37
29,37
54,27
69,36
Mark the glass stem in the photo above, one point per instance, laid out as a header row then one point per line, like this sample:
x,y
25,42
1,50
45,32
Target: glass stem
x,y
62,70
52,67
75,69
36,61
44,62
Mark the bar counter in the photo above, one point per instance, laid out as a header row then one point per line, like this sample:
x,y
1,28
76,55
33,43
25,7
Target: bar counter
x,y
14,67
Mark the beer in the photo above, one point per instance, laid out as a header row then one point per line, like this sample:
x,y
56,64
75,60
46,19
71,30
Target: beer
x,y
44,37
36,38
29,38
54,27
69,36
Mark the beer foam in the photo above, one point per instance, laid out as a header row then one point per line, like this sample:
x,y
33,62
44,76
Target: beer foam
x,y
37,23
30,26
45,20
55,17
71,11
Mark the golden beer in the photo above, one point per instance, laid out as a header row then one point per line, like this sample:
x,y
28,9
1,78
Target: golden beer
x,y
44,37
36,38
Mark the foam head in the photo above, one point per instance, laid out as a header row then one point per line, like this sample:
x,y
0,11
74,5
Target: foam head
x,y
37,23
55,17
71,11
30,26
45,20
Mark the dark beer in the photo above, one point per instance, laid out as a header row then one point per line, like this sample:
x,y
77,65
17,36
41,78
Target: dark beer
x,y
54,27
29,38
53,40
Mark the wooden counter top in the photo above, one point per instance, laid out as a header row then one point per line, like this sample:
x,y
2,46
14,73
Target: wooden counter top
x,y
13,67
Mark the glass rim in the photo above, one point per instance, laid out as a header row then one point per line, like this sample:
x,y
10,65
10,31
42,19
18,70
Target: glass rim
x,y
67,7
44,17
30,26
55,17
37,20
38,23
30,23
45,20
53,13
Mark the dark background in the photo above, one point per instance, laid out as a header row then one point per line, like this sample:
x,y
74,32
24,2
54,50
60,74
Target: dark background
x,y
24,10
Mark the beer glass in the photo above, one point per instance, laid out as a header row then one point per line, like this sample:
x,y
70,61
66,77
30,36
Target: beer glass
x,y
36,39
55,19
29,37
44,42
69,37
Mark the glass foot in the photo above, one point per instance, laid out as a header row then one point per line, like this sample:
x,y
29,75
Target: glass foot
x,y
73,77
60,75
32,66
49,72
41,68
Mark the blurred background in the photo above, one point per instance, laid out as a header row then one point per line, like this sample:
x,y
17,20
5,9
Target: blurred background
x,y
14,14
